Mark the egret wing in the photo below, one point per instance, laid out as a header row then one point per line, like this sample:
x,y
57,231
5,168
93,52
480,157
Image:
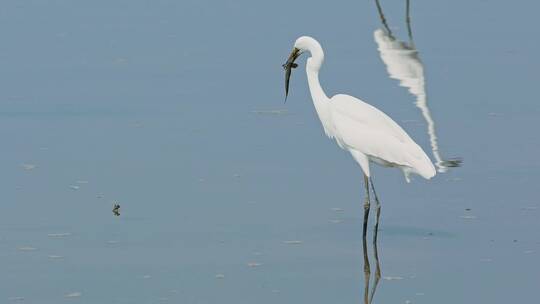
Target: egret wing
x,y
363,128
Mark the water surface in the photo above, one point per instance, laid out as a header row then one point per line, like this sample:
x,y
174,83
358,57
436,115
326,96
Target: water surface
x,y
175,110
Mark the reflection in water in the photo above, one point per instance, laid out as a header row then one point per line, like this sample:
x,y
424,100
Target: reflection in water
x,y
368,295
403,63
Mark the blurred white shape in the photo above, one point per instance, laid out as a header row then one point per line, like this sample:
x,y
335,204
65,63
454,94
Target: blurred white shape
x,y
28,167
73,187
254,264
220,276
468,217
293,242
337,209
390,278
16,299
75,294
26,248
336,221
270,112
146,276
55,257
58,235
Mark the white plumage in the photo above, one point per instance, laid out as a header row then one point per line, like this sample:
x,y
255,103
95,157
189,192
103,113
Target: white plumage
x,y
365,131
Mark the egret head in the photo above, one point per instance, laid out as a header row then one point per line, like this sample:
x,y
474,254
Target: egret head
x,y
301,45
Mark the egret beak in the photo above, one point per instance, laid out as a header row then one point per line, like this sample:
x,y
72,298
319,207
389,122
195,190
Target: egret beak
x,y
288,66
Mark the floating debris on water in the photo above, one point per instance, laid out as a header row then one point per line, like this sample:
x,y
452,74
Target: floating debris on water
x,y
28,167
270,112
293,242
220,276
16,299
390,278
58,235
116,208
254,264
73,294
26,248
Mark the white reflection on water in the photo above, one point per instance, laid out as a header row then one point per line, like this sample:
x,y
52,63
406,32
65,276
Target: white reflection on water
x,y
76,294
403,63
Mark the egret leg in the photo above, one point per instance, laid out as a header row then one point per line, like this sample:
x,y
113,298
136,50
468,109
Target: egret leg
x,y
366,207
408,21
378,212
377,270
367,271
383,19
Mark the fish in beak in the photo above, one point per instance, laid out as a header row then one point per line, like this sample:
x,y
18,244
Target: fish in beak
x,y
288,66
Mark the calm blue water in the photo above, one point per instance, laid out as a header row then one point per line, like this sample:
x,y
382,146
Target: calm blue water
x,y
164,107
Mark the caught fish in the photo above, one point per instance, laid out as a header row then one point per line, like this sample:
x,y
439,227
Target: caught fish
x,y
288,66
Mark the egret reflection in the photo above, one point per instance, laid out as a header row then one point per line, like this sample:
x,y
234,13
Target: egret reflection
x,y
403,63
370,294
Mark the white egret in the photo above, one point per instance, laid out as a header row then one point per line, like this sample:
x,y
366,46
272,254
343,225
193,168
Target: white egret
x,y
366,132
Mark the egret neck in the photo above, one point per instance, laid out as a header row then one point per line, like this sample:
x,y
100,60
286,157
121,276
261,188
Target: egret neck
x,y
313,65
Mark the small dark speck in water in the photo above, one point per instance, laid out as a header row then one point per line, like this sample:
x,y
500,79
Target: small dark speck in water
x,y
116,209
